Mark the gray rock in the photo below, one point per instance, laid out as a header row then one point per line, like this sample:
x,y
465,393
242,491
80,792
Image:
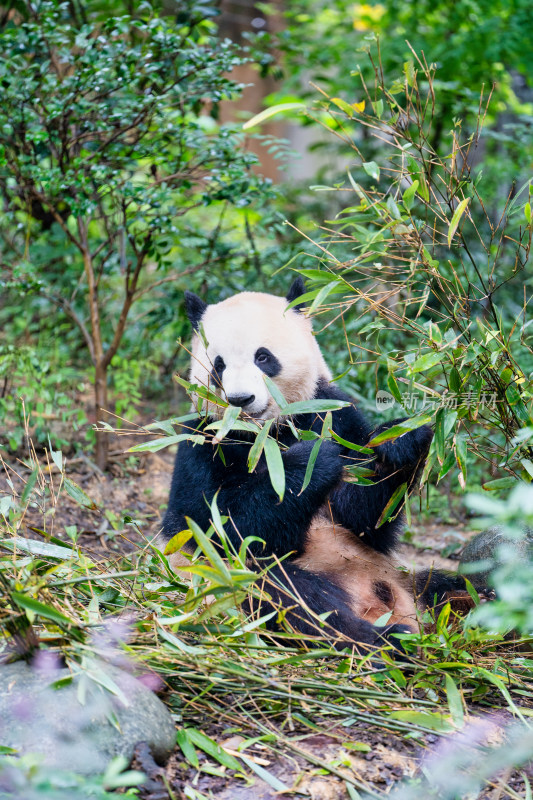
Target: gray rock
x,y
482,553
81,726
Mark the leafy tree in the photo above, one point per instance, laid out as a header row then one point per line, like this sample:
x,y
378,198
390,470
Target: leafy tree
x,y
107,140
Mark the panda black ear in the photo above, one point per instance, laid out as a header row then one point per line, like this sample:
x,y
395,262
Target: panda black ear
x,y
296,290
195,307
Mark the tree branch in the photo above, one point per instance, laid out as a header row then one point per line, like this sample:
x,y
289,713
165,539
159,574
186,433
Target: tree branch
x,y
130,287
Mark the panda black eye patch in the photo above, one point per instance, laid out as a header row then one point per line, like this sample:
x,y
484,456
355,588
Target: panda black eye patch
x,y
218,368
267,362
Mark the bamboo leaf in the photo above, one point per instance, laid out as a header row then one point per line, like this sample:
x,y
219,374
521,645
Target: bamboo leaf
x,y
257,448
313,406
274,391
257,119
209,550
426,719
398,430
425,362
344,106
177,542
392,504
455,702
408,197
166,441
275,466
457,214
211,747
77,494
187,748
266,776
225,425
310,465
350,445
40,609
460,455
40,548
499,483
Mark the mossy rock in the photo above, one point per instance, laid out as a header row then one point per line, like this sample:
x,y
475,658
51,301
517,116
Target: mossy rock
x,y
482,552
81,726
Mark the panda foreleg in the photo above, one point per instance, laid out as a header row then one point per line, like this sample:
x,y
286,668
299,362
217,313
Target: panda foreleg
x,y
249,498
359,508
403,457
255,508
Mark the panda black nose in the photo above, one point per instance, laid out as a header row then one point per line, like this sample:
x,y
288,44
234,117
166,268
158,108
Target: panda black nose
x,y
241,400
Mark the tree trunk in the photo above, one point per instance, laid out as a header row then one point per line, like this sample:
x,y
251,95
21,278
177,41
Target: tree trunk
x,y
100,401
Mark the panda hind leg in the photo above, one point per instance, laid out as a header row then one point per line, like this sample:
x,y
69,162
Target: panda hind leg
x,y
434,588
299,592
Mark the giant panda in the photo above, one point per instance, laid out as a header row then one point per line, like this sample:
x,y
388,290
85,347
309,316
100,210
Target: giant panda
x,y
331,561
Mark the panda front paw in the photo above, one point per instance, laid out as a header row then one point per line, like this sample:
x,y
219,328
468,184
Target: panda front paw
x,y
408,451
328,467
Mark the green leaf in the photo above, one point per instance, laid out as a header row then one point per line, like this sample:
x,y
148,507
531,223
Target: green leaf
x,y
225,425
351,445
211,553
372,169
212,749
187,748
40,609
394,389
78,495
40,548
439,434
275,466
527,213
454,380
409,72
398,430
499,483
166,441
28,488
257,448
455,702
392,504
274,391
425,719
313,406
310,465
257,119
425,362
408,197
458,213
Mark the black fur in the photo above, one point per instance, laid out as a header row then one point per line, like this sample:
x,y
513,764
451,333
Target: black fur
x,y
267,362
195,307
297,288
433,586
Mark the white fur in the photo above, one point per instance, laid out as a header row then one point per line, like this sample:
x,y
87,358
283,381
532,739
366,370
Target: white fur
x,y
235,329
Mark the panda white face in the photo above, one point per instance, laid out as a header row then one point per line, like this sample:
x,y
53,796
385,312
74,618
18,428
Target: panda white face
x,y
248,336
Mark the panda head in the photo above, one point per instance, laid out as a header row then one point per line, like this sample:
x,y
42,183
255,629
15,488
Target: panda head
x,y
240,340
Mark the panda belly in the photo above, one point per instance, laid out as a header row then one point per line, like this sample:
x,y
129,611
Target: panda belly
x,y
372,580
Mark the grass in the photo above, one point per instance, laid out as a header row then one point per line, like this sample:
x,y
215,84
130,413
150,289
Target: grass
x,y
223,675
